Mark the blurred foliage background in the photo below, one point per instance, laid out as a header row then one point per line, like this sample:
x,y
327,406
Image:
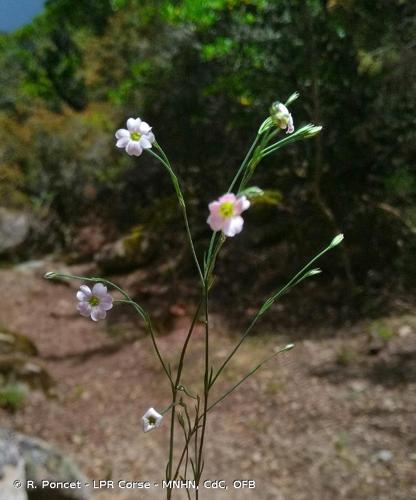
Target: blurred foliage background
x,y
203,73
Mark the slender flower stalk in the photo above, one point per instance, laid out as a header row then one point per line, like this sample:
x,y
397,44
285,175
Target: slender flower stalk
x,y
304,273
199,463
175,389
165,162
288,347
142,313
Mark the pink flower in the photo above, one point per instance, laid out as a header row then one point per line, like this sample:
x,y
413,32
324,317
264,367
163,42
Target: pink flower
x,y
137,137
225,214
95,302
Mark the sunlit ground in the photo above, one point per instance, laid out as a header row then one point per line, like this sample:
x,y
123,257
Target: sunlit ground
x,y
326,420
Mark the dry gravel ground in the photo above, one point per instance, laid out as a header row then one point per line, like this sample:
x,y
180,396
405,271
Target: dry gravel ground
x,y
324,421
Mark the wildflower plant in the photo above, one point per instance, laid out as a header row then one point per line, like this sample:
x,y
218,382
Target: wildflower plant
x,y
187,410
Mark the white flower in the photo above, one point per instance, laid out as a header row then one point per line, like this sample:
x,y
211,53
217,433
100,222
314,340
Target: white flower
x,y
281,117
95,302
137,137
151,420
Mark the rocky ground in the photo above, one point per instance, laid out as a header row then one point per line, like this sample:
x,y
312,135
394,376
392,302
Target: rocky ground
x,y
332,419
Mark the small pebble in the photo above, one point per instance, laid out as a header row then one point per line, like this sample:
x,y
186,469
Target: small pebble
x,y
384,455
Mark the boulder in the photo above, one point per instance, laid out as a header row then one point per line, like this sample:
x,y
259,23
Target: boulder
x,y
31,459
14,229
12,469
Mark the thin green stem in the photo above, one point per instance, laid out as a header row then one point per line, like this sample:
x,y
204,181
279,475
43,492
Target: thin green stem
x,y
206,390
193,430
249,171
128,300
184,452
175,388
305,132
244,163
53,275
213,250
165,162
279,144
213,257
293,282
251,372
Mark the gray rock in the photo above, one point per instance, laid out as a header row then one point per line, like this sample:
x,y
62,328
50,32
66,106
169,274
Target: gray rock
x,y
14,229
12,469
37,461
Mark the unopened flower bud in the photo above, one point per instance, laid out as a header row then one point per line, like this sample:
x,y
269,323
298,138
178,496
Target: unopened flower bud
x,y
314,130
337,240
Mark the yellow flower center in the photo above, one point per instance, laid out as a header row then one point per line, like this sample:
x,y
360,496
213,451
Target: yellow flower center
x,y
135,136
227,209
94,301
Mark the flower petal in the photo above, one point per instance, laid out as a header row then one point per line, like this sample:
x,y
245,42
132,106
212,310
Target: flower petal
x,y
290,126
122,132
283,109
233,226
84,309
133,124
214,207
81,296
122,143
228,197
151,412
97,314
106,302
106,305
241,204
134,149
215,222
99,290
144,128
86,290
145,143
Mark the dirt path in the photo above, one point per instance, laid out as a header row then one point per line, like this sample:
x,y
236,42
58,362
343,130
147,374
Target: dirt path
x,y
326,421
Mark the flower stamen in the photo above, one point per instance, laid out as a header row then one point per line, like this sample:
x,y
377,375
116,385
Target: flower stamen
x,y
135,136
94,301
227,209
